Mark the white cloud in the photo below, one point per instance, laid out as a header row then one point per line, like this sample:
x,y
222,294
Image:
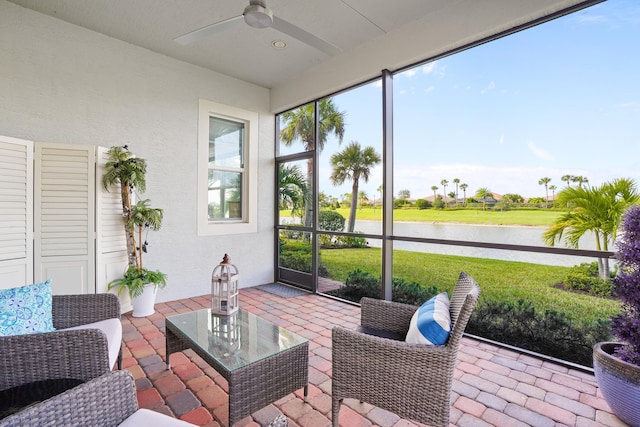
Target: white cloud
x,y
429,68
539,152
501,139
410,73
490,87
430,89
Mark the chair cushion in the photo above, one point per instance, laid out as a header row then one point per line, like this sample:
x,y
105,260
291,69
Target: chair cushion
x,y
380,333
147,417
112,328
431,323
26,309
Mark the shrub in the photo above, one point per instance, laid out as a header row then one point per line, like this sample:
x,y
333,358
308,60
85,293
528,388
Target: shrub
x,y
296,255
361,284
584,277
350,242
398,203
423,204
330,221
550,333
438,203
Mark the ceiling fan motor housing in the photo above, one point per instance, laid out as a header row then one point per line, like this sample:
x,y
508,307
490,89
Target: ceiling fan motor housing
x,y
258,15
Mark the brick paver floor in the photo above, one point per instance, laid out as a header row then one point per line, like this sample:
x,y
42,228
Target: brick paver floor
x,y
493,386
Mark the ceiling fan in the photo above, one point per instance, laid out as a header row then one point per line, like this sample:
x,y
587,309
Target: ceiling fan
x,y
258,15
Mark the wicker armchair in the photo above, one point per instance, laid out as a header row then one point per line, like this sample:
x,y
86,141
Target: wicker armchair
x,y
80,354
411,380
107,401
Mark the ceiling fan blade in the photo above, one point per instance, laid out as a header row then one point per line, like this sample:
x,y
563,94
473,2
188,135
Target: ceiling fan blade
x,y
304,36
207,31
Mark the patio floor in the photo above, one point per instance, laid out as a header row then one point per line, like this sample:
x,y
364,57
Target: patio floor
x,y
492,386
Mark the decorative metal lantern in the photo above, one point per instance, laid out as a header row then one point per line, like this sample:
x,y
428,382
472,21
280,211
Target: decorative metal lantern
x,y
224,287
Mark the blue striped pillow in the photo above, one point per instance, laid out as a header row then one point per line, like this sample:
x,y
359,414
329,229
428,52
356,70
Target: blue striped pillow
x,y
431,323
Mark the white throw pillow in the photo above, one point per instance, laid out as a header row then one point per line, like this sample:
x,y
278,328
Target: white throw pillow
x,y
431,323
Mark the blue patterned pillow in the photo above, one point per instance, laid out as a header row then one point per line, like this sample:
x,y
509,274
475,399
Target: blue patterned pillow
x,y
431,323
26,310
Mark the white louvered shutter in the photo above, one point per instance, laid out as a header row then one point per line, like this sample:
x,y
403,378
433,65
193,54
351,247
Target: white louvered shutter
x,y
16,212
64,217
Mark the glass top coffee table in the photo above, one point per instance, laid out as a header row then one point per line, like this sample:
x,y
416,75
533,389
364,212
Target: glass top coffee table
x,y
262,362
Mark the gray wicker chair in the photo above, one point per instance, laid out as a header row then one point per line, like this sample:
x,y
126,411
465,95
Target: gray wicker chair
x,y
79,354
107,401
411,380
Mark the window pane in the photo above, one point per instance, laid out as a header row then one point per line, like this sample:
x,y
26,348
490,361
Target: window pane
x,y
486,140
297,130
226,143
225,195
353,260
294,192
294,251
350,166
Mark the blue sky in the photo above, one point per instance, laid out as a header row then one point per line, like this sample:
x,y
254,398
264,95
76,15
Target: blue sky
x,y
560,98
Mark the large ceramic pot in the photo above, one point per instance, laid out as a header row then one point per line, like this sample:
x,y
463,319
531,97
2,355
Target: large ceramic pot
x,y
619,382
144,305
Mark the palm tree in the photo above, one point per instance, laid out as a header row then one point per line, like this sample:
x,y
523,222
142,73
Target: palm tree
x,y
380,191
293,190
434,189
144,217
444,183
128,171
456,181
545,181
553,189
483,193
580,180
567,179
464,192
353,163
300,124
595,209
362,197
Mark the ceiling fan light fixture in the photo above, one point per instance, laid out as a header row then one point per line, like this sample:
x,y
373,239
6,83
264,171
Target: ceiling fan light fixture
x,y
258,16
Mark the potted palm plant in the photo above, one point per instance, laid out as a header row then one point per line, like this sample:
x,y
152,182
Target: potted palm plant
x,y
129,172
617,364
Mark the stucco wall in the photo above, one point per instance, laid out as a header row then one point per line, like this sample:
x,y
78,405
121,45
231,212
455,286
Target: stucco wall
x,y
62,83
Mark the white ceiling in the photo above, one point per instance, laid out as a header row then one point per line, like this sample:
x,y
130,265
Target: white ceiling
x,y
241,51
356,27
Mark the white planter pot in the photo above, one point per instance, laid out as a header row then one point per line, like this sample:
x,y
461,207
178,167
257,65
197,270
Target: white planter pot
x,y
144,304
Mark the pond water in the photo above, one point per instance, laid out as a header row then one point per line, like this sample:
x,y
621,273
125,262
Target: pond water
x,y
519,235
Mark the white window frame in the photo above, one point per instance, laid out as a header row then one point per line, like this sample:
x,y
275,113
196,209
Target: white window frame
x,y
249,221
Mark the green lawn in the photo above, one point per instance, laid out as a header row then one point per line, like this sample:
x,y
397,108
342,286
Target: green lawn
x,y
499,280
536,217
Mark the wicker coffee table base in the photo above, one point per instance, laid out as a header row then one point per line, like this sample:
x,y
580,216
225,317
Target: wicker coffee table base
x,y
257,385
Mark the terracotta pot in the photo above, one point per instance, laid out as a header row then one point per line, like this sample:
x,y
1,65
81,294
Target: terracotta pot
x,y
619,382
144,305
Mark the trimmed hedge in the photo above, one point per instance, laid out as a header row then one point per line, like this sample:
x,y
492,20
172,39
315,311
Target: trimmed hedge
x,y
584,277
549,333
